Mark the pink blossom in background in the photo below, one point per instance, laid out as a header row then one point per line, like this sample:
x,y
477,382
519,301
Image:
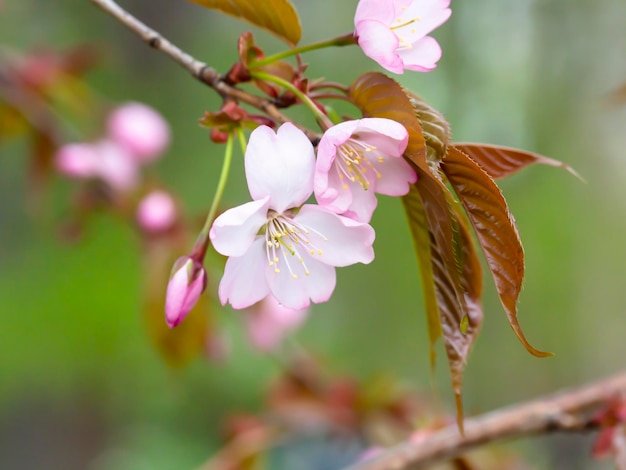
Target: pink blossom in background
x,y
77,160
267,323
276,244
156,212
394,32
187,281
140,129
104,159
356,159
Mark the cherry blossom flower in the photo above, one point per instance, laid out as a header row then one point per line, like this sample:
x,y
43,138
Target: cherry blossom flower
x,y
188,280
356,159
267,323
139,129
276,244
394,32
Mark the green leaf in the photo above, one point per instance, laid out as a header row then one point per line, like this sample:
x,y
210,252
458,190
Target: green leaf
x,y
277,16
498,161
416,215
496,231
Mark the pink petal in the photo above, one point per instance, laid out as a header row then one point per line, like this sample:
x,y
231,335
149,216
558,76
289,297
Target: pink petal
x,y
379,43
388,136
243,283
347,241
431,14
337,195
397,176
183,290
381,10
234,231
422,56
363,202
280,165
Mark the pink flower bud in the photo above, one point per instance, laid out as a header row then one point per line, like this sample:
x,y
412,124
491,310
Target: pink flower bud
x,y
77,160
156,212
140,129
187,282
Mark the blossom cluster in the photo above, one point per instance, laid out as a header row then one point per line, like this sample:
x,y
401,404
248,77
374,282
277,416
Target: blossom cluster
x,y
282,248
280,245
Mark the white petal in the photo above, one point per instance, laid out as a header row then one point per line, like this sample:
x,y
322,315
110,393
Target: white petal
x,y
234,231
363,202
280,165
243,283
342,241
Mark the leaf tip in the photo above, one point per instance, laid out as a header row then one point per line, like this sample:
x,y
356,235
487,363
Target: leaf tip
x,y
459,412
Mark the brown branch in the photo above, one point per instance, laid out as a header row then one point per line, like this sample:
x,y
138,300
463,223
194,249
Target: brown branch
x,y
570,410
198,69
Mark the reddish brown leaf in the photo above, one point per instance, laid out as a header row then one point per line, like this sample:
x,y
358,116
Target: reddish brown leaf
x,y
277,16
377,95
496,231
498,161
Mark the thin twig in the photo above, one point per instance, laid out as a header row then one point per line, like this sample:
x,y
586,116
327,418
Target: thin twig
x,y
570,410
198,69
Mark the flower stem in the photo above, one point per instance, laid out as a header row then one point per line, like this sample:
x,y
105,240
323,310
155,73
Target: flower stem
x,y
345,40
202,242
320,117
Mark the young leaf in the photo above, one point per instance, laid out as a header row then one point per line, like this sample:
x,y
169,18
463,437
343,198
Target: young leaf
x,y
498,161
416,215
496,231
277,16
377,95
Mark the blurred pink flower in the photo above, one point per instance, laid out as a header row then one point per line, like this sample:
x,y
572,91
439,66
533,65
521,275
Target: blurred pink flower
x,y
275,243
356,159
187,281
267,323
156,212
140,129
103,159
394,32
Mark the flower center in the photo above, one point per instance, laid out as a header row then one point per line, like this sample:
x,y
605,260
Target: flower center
x,y
353,164
286,239
404,29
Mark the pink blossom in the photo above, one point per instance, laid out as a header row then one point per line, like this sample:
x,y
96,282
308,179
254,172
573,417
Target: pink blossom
x,y
394,32
187,282
104,159
140,129
277,244
268,322
356,159
77,160
156,212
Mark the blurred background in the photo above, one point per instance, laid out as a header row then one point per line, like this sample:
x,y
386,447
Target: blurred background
x,y
81,385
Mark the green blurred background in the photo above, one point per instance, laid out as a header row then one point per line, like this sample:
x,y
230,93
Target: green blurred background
x,y
80,384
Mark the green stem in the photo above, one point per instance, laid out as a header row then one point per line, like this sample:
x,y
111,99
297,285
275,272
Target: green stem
x,y
320,117
202,242
242,140
345,40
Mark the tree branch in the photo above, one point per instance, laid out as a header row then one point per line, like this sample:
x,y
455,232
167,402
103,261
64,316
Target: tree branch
x,y
570,410
198,69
